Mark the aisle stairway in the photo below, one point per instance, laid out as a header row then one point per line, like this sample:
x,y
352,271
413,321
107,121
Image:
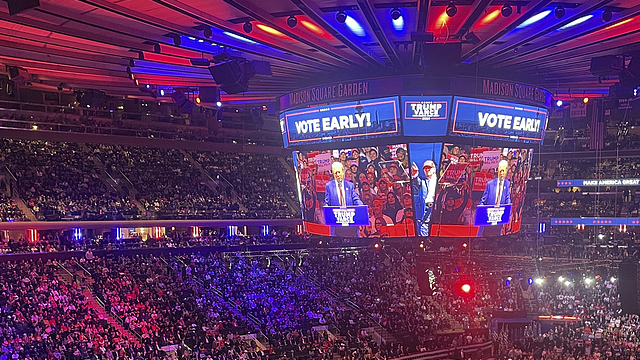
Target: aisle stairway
x,y
93,303
530,304
67,276
217,186
109,180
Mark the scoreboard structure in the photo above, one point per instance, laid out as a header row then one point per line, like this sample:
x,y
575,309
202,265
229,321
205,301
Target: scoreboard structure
x,y
415,157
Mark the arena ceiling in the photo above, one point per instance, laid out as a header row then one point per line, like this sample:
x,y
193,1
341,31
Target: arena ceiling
x,y
97,44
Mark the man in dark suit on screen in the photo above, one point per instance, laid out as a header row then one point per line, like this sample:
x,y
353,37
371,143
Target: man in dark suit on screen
x,y
339,192
498,190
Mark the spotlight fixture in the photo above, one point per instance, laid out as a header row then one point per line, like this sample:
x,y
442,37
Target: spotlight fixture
x,y
207,32
341,17
395,13
452,10
607,14
560,12
247,27
559,103
506,10
586,100
292,21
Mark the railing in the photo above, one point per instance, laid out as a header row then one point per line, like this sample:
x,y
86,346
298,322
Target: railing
x,y
448,352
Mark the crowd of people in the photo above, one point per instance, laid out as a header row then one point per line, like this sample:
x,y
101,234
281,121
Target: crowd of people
x,y
260,181
208,303
69,181
168,184
44,317
319,305
58,181
601,330
9,210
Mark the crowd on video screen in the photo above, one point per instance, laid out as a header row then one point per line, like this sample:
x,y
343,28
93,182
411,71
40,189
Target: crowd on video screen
x,y
374,176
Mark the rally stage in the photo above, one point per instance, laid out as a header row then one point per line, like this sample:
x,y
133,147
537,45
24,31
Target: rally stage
x,y
396,157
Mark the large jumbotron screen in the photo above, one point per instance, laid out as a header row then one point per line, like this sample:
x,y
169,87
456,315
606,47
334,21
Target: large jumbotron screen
x,y
412,185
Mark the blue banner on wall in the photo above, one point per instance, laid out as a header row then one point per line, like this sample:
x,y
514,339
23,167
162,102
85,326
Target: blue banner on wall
x,y
489,215
595,221
346,215
598,182
426,115
497,120
344,121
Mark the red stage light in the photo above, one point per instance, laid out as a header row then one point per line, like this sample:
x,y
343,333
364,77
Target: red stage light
x,y
466,288
464,245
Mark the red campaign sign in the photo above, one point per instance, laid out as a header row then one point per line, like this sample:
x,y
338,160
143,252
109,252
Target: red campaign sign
x,y
453,173
393,149
311,162
311,159
321,182
452,158
476,156
304,175
480,180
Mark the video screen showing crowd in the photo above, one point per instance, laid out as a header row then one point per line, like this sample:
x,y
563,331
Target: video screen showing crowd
x,y
468,191
375,177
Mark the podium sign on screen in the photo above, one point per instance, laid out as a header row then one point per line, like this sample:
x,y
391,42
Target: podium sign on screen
x,y
490,215
346,215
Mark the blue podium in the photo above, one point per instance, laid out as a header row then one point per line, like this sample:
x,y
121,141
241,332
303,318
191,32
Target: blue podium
x,y
490,215
346,215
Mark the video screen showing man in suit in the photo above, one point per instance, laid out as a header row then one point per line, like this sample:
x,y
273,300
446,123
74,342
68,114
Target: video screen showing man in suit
x,y
369,176
498,190
469,176
339,192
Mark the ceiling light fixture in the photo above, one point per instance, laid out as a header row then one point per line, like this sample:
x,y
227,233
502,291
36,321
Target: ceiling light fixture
x,y
292,21
506,10
452,10
395,13
341,17
607,15
247,27
560,12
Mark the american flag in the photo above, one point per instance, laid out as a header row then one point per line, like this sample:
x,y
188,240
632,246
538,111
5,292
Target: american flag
x,y
596,140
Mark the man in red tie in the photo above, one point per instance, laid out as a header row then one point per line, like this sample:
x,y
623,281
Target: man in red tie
x,y
339,192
